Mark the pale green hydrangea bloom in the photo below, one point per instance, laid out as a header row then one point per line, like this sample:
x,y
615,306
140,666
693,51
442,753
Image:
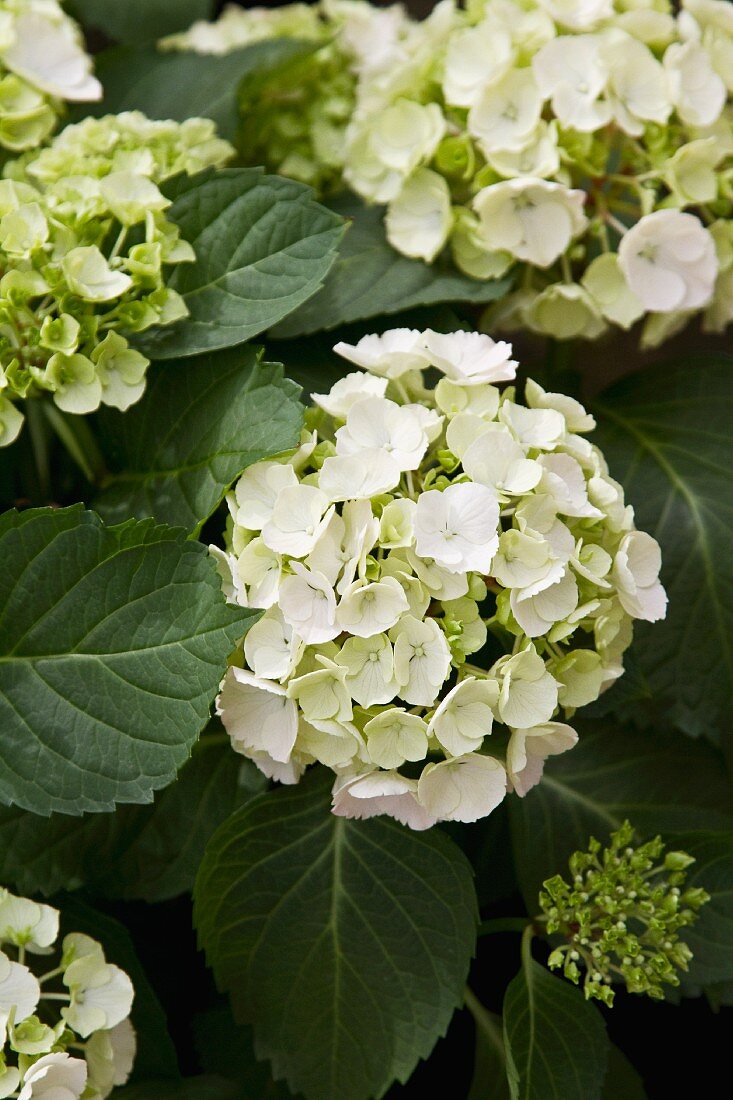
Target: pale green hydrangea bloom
x,y
533,133
42,64
64,1010
85,245
446,574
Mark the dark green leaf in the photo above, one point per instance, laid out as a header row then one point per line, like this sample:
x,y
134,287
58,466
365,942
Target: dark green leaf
x,y
156,1055
263,246
188,85
345,944
199,424
622,1081
489,1068
666,433
139,20
148,852
190,1088
660,783
556,1044
370,278
112,644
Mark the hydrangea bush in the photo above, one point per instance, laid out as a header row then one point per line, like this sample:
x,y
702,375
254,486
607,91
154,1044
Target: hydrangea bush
x,y
64,1009
283,489
413,520
586,146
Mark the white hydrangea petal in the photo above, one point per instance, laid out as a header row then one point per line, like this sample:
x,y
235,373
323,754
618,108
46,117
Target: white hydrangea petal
x,y
470,358
458,528
378,792
465,716
391,355
19,990
308,604
271,648
368,609
422,659
370,669
529,748
55,1076
465,788
347,390
257,715
359,476
47,52
395,736
257,490
537,614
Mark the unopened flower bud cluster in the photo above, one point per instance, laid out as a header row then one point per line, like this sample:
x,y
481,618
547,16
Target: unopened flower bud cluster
x,y
85,244
42,63
588,144
621,915
418,525
64,1010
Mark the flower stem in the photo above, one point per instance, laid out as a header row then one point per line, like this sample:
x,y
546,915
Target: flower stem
x,y
39,437
77,438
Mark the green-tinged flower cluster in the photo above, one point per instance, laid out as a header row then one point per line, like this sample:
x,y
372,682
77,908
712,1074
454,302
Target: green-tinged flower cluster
x,y
65,1029
85,246
429,516
586,146
295,123
42,63
621,915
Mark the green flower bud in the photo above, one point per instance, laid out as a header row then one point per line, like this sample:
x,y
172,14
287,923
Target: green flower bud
x,y
621,913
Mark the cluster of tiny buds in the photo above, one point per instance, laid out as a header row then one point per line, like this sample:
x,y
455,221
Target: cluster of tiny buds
x,y
621,915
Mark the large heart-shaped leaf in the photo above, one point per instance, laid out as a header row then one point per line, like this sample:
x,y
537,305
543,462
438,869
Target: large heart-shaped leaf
x,y
556,1043
188,85
263,246
112,643
370,278
660,783
345,944
667,436
197,427
149,852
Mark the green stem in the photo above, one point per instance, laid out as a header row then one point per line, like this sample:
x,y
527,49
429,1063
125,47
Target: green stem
x,y
77,438
526,947
39,436
485,1022
503,924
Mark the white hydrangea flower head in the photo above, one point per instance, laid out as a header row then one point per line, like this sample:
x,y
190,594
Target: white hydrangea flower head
x,y
460,576
49,1006
79,277
529,135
